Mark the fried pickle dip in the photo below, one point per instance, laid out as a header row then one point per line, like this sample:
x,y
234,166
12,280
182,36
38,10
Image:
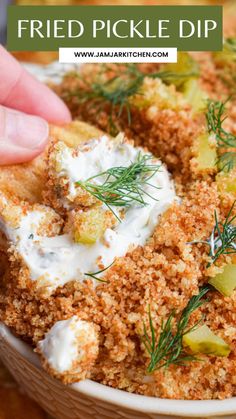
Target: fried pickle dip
x,y
111,193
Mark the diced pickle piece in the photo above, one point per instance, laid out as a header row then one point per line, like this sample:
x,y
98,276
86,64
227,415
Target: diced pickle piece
x,y
205,150
226,182
203,340
194,95
186,70
89,226
225,282
186,66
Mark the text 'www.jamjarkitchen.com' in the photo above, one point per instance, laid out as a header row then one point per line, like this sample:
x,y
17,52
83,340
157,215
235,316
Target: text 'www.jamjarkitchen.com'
x,y
117,55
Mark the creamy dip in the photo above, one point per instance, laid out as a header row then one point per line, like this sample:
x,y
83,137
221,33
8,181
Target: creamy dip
x,y
53,261
53,72
68,343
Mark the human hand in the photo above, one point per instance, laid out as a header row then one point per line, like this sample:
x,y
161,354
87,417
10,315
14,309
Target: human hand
x,y
22,135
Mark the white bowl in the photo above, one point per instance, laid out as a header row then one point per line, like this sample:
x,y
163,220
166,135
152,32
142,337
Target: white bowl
x,y
90,400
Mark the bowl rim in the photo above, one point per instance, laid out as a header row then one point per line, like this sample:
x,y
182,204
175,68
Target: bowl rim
x,y
121,398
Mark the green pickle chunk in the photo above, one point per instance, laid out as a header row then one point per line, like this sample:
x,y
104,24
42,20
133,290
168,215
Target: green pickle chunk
x,y
186,80
194,95
226,182
89,226
203,340
185,68
225,282
206,152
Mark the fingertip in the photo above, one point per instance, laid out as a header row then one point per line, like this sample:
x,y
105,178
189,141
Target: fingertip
x,y
12,154
58,113
45,103
32,97
22,136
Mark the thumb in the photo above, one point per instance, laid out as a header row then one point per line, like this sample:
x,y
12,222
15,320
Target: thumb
x,y
22,136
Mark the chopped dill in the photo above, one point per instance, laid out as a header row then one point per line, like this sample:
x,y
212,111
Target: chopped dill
x,y
226,141
222,240
167,348
122,186
94,274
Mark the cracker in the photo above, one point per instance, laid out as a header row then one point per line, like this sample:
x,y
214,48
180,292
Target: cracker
x,y
26,181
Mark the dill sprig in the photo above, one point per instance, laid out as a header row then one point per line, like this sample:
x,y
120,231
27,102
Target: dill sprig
x,y
167,348
226,141
118,90
122,186
222,240
94,274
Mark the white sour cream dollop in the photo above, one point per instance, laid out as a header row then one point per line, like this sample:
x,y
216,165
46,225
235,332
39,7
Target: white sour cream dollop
x,y
70,346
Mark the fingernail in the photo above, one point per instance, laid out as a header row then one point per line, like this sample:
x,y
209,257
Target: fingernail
x,y
24,130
